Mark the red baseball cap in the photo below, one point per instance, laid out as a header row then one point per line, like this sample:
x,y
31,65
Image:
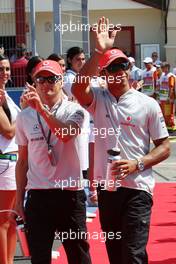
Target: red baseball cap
x,y
111,55
47,65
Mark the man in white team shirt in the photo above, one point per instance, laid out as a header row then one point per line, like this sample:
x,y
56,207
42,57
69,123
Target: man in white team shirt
x,y
148,77
49,168
128,209
135,74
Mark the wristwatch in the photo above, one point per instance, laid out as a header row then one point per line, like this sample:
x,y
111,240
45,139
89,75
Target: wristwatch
x,y
140,164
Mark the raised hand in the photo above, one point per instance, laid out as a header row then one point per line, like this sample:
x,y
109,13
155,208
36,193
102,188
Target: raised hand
x,y
101,35
32,99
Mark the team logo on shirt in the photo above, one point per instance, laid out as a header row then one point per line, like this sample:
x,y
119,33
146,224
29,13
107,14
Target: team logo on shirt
x,y
78,115
36,127
162,121
128,122
45,63
129,118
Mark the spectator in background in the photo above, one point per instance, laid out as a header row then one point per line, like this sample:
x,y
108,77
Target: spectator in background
x,y
75,61
59,59
157,81
167,95
155,58
28,55
174,71
135,74
19,67
32,63
148,76
2,49
13,57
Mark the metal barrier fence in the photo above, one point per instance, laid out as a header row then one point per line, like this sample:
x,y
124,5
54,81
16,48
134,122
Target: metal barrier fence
x,y
15,39
31,27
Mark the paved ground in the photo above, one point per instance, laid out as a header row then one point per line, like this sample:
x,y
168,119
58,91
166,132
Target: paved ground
x,y
164,172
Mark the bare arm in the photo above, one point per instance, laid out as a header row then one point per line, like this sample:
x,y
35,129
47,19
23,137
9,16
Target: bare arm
x,y
63,130
60,129
6,128
160,152
21,178
103,42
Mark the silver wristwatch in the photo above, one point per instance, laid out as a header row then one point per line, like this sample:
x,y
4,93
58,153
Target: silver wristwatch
x,y
140,164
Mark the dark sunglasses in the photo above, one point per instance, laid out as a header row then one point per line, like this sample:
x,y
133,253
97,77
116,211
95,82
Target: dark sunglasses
x,y
50,79
112,68
4,69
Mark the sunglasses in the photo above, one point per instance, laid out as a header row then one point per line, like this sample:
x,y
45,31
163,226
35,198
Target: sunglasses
x,y
112,68
50,79
4,69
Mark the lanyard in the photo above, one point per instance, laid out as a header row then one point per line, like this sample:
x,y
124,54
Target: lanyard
x,y
48,137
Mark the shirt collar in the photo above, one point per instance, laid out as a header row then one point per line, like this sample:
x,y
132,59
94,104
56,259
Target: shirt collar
x,y
71,71
54,107
123,96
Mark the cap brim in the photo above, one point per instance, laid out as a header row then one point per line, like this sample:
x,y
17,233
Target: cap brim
x,y
113,59
46,70
148,61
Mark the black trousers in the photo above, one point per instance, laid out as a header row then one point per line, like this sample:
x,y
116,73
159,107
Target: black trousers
x,y
126,214
62,210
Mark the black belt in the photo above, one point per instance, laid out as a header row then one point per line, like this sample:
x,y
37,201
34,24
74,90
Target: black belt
x,y
12,157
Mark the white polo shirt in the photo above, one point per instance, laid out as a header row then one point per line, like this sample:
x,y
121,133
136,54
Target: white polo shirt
x,y
84,139
68,81
41,175
139,118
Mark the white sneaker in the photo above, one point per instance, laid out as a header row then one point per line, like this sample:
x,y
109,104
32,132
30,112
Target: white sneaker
x,y
89,220
90,215
55,254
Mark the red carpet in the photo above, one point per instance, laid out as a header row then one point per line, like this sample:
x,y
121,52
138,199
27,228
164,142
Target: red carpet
x,y
162,241
97,248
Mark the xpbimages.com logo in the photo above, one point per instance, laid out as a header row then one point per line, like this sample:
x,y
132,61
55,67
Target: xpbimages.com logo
x,y
102,132
78,183
73,27
102,236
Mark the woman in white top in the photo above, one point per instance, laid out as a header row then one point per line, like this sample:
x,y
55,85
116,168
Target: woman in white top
x,y
8,156
75,61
